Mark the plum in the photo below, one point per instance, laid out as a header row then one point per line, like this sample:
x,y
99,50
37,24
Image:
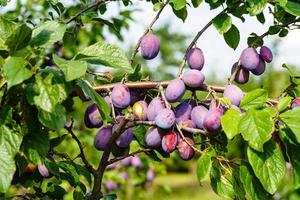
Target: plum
x,y
185,151
125,138
195,58
266,54
249,58
242,75
150,46
139,110
234,94
198,114
91,115
120,96
193,78
119,151
111,185
102,137
123,176
150,175
175,90
260,69
44,171
183,111
165,119
169,141
126,162
189,124
154,107
153,137
212,120
217,104
136,162
296,102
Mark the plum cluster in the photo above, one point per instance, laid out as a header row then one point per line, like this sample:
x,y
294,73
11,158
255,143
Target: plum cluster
x,y
251,61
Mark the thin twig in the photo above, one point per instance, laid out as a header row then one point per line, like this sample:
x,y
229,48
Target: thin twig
x,y
193,43
111,161
147,31
162,93
82,155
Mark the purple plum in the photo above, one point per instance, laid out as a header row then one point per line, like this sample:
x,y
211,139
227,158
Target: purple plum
x,y
123,176
126,162
193,78
91,115
296,102
111,185
169,141
165,119
125,138
260,69
242,75
120,96
154,107
150,46
153,137
44,171
234,94
185,151
175,90
266,54
198,114
195,58
212,120
102,138
150,175
136,162
183,111
249,58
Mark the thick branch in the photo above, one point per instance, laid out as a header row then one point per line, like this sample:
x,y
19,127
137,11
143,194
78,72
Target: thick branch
x,y
147,31
193,43
82,155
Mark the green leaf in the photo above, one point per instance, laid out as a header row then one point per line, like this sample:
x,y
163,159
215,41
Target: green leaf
x,y
204,165
283,103
10,141
157,6
292,120
282,3
47,33
106,54
48,93
98,99
254,40
254,99
6,29
71,173
4,2
268,166
19,38
181,14
251,184
53,120
256,127
222,23
222,183
294,158
178,4
292,8
231,129
256,6
232,37
15,71
196,3
72,69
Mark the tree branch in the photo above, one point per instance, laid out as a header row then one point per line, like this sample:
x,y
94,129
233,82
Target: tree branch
x,y
147,31
82,155
111,161
194,41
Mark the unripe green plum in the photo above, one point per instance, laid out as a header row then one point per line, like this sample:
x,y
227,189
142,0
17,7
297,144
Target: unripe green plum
x,y
175,90
193,78
195,58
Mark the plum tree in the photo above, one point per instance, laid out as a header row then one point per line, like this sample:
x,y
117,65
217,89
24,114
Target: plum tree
x,y
102,137
266,54
165,119
249,58
184,149
175,90
154,107
91,117
150,46
120,96
234,94
193,78
153,137
198,114
169,141
195,58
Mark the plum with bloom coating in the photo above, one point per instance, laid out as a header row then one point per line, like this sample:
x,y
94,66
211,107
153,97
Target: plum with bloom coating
x,y
249,58
185,150
165,119
91,115
193,78
150,46
234,94
102,138
169,141
266,54
175,90
120,96
154,107
195,58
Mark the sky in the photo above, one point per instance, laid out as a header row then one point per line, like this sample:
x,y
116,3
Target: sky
x,y
218,56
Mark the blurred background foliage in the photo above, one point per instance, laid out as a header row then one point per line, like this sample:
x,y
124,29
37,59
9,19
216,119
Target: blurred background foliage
x,y
175,179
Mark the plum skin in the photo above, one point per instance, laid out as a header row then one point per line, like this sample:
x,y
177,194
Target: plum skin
x,y
185,151
193,78
150,46
249,58
260,69
212,120
169,141
198,114
266,54
175,90
102,137
154,107
234,94
195,58
153,137
242,75
165,119
120,96
90,117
